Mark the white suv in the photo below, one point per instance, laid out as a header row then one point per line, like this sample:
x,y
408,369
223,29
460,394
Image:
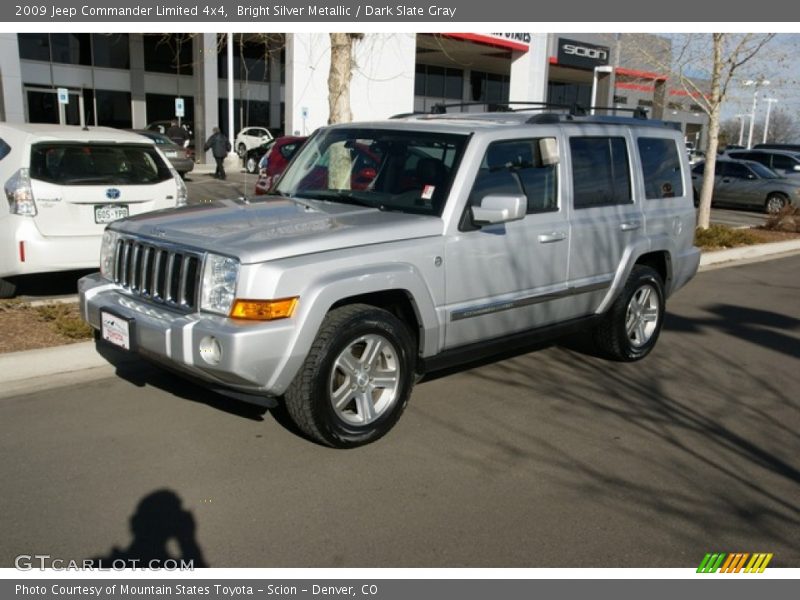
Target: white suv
x,y
64,185
251,137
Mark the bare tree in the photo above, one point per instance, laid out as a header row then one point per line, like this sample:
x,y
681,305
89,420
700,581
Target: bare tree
x,y
706,66
339,77
783,128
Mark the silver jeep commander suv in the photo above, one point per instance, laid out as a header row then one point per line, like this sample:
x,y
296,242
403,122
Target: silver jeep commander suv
x,y
390,249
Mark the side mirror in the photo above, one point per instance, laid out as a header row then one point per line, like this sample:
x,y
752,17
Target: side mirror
x,y
751,176
548,151
499,208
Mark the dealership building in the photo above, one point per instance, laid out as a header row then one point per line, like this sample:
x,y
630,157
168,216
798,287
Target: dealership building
x,y
279,81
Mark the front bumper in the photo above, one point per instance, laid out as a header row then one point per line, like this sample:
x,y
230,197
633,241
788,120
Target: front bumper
x,y
253,353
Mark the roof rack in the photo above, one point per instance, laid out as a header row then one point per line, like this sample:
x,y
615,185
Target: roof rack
x,y
442,108
567,113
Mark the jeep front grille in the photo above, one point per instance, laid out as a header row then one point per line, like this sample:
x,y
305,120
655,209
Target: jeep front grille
x,y
168,276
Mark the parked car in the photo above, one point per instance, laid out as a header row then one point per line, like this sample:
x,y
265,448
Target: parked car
x,y
274,161
785,147
162,127
64,184
252,158
177,156
250,137
746,183
473,235
786,164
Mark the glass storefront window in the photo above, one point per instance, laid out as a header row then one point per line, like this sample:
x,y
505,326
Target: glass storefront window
x,y
111,50
71,48
168,53
34,46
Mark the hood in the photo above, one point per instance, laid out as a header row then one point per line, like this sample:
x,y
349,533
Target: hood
x,y
277,227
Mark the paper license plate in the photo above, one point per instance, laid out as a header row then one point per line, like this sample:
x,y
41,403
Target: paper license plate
x,y
115,330
171,154
105,213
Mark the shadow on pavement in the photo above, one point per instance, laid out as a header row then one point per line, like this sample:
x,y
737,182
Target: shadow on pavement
x,y
159,520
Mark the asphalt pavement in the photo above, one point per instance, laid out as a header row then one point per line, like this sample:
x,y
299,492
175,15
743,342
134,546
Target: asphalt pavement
x,y
553,458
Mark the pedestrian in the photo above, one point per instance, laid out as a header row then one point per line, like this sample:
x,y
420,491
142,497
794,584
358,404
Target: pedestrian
x,y
219,145
176,133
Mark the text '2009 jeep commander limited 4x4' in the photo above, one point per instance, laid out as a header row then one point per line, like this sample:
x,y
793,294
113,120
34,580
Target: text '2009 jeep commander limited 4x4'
x,y
389,249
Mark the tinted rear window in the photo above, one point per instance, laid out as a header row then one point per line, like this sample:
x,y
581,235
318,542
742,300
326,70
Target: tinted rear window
x,y
661,168
97,164
600,173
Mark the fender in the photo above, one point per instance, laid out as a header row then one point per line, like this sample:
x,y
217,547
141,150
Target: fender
x,y
658,243
321,294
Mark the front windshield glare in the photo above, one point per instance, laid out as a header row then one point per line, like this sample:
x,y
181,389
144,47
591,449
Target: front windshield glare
x,y
408,171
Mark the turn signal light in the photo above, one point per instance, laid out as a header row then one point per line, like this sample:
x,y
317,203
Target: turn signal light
x,y
264,310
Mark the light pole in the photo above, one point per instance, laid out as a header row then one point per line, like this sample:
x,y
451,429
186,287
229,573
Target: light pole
x,y
741,128
756,83
769,102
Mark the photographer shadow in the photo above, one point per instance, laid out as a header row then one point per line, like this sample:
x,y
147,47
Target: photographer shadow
x,y
159,521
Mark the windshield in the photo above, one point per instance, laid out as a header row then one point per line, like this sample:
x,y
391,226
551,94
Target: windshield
x,y
762,171
388,169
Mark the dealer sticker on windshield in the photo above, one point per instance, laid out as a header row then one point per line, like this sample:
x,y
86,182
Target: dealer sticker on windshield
x,y
427,192
116,330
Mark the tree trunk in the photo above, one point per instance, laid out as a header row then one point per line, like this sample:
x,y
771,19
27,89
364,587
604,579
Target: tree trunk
x,y
704,211
339,78
339,164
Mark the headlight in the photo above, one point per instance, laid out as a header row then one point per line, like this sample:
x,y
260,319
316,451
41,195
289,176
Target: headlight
x,y
219,284
108,251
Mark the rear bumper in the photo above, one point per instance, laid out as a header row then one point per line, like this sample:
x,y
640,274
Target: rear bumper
x,y
43,254
182,165
684,267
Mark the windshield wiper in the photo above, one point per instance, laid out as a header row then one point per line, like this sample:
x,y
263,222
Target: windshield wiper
x,y
343,196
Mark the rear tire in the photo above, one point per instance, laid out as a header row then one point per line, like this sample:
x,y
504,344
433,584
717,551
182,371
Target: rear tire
x,y
630,329
356,380
241,150
7,289
775,203
251,165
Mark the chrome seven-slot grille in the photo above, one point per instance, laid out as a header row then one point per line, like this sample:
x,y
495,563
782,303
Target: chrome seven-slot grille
x,y
165,275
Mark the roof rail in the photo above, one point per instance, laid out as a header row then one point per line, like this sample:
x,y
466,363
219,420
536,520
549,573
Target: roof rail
x,y
553,118
442,108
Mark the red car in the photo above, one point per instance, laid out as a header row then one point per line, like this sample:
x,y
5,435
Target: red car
x,y
275,160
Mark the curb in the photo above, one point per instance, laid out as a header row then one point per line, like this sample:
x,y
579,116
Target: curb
x,y
747,254
35,370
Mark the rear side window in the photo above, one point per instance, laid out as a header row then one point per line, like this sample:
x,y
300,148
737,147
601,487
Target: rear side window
x,y
600,171
781,161
661,168
510,167
97,164
4,149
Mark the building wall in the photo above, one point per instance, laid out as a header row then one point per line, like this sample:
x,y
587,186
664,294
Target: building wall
x,y
382,84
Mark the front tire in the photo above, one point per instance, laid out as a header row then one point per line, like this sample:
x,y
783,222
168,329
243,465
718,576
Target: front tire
x,y
630,329
241,150
356,380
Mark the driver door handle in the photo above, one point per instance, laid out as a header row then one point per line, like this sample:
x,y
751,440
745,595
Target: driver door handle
x,y
553,236
630,225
